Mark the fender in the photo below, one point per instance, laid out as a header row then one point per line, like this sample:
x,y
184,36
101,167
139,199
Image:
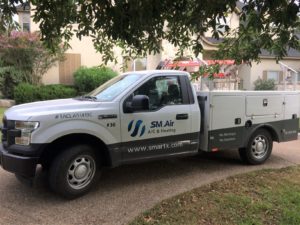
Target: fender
x,y
49,134
275,133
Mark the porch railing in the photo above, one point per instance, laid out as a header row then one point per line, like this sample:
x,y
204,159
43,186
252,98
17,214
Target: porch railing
x,y
205,84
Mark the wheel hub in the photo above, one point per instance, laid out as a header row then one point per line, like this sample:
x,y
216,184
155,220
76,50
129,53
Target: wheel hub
x,y
260,147
81,171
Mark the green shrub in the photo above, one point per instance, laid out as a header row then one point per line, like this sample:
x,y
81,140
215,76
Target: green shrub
x,y
29,93
10,77
55,91
260,84
25,93
87,79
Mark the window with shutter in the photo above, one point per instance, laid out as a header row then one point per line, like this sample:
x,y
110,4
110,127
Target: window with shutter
x,y
275,75
26,27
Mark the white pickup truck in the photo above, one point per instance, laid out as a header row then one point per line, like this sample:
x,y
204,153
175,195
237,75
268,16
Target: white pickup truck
x,y
141,116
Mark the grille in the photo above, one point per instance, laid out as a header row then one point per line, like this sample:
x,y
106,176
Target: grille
x,y
7,126
4,129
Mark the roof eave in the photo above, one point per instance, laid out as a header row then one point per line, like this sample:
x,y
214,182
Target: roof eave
x,y
272,57
208,42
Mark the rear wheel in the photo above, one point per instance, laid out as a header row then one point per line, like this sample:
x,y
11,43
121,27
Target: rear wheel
x,y
74,171
258,149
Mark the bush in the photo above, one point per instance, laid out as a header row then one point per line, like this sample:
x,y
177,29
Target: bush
x,y
30,93
87,79
25,93
10,77
264,84
56,91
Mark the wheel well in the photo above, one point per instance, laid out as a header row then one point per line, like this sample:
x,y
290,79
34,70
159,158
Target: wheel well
x,y
272,132
57,146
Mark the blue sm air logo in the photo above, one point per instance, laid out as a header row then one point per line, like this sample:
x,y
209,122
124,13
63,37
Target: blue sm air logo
x,y
135,130
138,128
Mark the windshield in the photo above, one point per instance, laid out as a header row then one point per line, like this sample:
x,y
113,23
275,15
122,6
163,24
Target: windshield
x,y
114,87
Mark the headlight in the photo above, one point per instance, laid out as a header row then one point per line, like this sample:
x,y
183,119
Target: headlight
x,y
26,128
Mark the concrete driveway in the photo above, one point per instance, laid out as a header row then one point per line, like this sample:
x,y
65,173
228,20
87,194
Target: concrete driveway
x,y
124,192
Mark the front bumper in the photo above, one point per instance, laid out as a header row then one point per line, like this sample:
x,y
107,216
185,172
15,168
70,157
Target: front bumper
x,y
23,165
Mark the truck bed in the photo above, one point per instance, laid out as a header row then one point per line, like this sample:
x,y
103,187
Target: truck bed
x,y
229,117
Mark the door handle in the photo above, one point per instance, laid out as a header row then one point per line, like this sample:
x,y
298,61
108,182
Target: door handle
x,y
183,116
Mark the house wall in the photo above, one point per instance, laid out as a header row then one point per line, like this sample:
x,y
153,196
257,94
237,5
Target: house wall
x,y
89,56
170,51
251,73
153,61
23,17
52,75
244,72
232,21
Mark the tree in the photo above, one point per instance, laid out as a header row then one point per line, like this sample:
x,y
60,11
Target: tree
x,y
138,27
7,10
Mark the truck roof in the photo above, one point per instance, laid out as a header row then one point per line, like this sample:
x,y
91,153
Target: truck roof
x,y
164,72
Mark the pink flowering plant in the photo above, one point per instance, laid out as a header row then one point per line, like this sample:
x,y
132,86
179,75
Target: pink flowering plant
x,y
24,59
25,52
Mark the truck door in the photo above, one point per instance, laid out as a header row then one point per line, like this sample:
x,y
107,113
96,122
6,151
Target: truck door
x,y
164,128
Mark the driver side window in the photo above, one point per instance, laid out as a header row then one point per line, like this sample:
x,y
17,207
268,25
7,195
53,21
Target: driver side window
x,y
161,91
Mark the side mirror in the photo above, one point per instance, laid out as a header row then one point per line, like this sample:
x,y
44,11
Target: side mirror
x,y
138,103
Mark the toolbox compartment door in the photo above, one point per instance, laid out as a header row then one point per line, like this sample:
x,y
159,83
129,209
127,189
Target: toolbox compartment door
x,y
292,106
264,105
226,110
227,122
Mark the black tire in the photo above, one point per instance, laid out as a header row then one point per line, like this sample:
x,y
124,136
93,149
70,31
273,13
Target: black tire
x,y
259,148
74,171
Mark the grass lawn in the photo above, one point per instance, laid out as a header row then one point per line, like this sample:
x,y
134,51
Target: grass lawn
x,y
263,197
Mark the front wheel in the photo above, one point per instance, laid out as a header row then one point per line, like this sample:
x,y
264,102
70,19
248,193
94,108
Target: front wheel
x,y
258,149
74,171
